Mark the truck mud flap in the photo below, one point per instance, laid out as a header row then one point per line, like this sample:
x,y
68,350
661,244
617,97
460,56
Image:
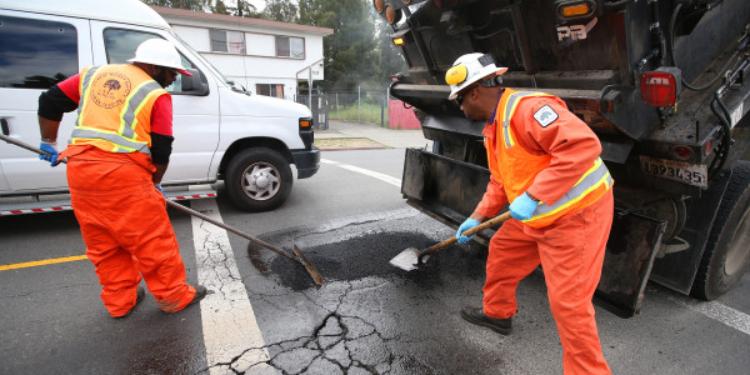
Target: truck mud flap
x,y
442,185
631,251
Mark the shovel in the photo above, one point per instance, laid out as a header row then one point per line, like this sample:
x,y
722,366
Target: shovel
x,y
297,257
411,258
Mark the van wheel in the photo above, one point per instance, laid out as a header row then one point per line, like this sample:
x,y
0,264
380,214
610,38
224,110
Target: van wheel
x,y
258,179
728,248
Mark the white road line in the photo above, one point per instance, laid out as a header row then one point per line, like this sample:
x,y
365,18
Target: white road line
x,y
380,176
717,311
229,325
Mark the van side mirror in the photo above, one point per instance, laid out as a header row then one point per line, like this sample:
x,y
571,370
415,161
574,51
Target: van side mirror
x,y
195,84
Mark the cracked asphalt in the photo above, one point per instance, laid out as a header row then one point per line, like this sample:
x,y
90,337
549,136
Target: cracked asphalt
x,y
368,318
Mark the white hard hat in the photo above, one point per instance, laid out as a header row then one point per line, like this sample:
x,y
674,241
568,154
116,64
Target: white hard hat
x,y
468,69
161,53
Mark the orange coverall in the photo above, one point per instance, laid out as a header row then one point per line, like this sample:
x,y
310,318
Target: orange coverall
x,y
123,220
126,229
570,250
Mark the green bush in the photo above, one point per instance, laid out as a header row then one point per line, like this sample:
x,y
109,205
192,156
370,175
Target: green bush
x,y
367,113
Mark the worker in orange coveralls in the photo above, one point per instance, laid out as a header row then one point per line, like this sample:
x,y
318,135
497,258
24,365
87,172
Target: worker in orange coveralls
x,y
118,153
545,162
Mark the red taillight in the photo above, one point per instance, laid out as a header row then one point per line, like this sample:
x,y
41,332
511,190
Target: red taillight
x,y
682,152
659,88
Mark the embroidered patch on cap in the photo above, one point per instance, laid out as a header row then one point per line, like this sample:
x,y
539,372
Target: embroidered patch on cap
x,y
545,116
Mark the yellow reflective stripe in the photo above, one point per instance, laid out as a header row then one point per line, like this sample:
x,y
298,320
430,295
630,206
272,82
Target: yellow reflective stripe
x,y
580,190
107,135
605,179
83,127
126,108
591,170
510,109
134,104
139,108
85,82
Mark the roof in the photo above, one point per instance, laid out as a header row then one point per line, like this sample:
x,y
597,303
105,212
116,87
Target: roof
x,y
132,12
173,13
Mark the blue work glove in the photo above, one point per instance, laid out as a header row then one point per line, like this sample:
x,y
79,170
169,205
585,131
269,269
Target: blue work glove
x,y
467,224
161,189
49,153
522,208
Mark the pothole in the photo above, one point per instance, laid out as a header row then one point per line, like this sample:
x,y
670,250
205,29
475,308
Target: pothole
x,y
369,255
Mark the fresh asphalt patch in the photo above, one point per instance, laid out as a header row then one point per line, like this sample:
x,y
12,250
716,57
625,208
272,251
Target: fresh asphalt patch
x,y
368,255
371,317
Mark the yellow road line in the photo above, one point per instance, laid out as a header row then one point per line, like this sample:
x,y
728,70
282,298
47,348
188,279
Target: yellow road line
x,y
44,262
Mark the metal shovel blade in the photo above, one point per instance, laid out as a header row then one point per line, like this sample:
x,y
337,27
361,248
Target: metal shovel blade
x,y
407,260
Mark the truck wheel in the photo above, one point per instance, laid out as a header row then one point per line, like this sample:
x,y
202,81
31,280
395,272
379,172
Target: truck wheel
x,y
258,179
728,248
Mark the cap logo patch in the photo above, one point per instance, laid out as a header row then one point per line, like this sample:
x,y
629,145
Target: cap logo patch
x,y
545,116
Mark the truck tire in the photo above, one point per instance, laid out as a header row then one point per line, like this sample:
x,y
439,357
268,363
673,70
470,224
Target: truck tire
x,y
727,252
258,179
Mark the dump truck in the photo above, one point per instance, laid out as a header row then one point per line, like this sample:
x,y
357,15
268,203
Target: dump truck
x,y
661,83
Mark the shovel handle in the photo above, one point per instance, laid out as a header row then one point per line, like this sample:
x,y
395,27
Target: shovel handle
x,y
26,146
450,241
234,230
21,144
297,257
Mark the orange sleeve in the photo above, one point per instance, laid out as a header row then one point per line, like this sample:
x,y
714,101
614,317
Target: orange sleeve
x,y
572,144
493,200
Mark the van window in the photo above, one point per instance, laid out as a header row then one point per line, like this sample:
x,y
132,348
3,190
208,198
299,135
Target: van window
x,y
36,54
120,46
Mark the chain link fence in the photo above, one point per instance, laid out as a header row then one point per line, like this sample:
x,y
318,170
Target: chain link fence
x,y
361,106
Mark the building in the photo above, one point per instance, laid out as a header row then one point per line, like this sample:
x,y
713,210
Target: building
x,y
266,57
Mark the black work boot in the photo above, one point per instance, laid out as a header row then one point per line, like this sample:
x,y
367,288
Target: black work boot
x,y
475,315
140,294
200,292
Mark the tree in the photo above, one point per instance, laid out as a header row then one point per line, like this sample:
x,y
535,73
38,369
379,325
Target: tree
x,y
219,8
281,10
390,59
350,53
196,5
245,9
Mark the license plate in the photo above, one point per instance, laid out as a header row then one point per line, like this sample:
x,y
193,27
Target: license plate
x,y
691,174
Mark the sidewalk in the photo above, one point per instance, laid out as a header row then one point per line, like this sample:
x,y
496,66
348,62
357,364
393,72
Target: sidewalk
x,y
353,136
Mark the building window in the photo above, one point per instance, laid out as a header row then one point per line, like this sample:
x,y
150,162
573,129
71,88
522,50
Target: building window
x,y
289,46
270,89
227,41
36,54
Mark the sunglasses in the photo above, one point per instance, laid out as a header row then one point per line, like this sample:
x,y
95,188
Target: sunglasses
x,y
460,97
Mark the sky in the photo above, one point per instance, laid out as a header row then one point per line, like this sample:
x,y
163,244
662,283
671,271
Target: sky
x,y
260,4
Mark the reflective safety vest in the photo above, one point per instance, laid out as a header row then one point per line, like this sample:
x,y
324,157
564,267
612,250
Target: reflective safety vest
x,y
517,168
114,113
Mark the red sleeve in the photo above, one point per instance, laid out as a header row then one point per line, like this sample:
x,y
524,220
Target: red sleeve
x,y
572,144
161,116
69,87
493,200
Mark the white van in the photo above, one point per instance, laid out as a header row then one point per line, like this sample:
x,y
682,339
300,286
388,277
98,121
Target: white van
x,y
221,132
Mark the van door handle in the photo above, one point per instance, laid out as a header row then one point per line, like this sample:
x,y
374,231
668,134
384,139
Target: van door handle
x,y
4,125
